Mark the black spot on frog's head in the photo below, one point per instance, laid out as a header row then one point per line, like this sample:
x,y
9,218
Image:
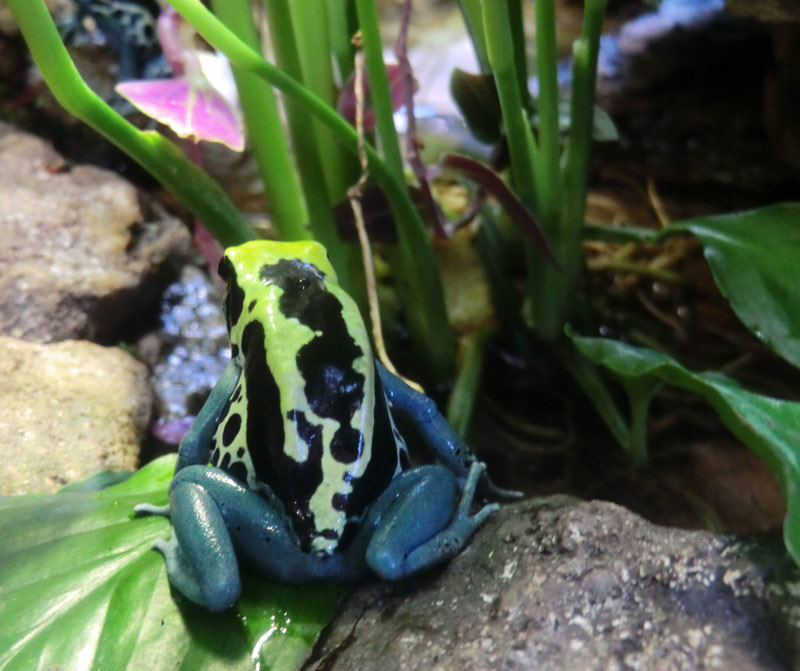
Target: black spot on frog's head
x,y
302,282
234,300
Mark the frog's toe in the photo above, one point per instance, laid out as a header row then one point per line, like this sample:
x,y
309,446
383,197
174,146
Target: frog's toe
x,y
468,493
149,509
480,517
465,525
490,490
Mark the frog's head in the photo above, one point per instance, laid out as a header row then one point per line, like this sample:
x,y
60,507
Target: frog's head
x,y
251,272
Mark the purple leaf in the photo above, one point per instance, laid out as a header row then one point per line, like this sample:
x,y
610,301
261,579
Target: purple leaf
x,y
347,98
191,110
491,182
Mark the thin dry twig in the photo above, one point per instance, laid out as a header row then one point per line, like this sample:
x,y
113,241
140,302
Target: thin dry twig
x,y
354,194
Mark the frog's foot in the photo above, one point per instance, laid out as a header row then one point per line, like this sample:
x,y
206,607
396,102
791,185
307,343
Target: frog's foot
x,y
150,509
180,572
428,524
488,489
464,524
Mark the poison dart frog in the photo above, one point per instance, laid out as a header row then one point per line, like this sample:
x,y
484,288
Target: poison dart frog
x,y
129,28
294,465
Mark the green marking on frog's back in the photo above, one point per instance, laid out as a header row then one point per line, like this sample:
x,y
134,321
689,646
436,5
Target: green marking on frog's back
x,y
302,420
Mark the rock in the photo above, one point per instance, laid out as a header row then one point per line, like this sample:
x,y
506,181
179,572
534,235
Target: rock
x,y
554,584
685,86
765,10
68,410
81,255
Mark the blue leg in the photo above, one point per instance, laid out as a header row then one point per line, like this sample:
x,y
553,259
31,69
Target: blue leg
x,y
215,519
445,443
200,559
195,448
425,522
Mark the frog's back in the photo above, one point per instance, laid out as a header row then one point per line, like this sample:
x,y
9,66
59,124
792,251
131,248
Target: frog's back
x,y
309,418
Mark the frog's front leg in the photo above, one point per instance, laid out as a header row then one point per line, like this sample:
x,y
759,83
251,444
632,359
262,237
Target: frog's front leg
x,y
422,521
201,562
195,448
440,436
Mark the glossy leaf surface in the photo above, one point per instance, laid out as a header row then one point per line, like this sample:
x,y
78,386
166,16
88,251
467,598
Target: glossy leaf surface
x,y
770,427
81,589
754,258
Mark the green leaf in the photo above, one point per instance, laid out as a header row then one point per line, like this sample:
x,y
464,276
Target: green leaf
x,y
80,589
754,258
770,427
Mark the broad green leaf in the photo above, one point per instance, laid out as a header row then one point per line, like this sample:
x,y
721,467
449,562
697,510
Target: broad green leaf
x,y
770,427
80,589
754,258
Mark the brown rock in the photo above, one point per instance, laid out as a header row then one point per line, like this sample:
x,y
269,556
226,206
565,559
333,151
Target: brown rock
x,y
68,410
80,255
765,10
558,585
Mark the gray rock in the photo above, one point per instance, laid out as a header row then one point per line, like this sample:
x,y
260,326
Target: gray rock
x,y
765,10
557,585
80,254
68,410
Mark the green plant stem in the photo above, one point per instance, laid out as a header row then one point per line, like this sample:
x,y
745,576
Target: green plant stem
x,y
304,142
340,33
201,194
553,292
521,145
265,130
473,18
380,91
415,273
517,22
640,392
585,373
547,164
311,30
584,70
461,405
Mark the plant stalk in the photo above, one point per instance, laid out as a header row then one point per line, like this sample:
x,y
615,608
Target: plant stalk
x,y
553,291
265,130
310,22
307,153
380,92
473,18
414,266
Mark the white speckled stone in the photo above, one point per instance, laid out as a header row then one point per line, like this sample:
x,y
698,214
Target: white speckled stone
x,y
68,410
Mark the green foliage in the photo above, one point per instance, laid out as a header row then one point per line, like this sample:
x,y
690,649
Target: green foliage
x,y
770,427
81,589
754,258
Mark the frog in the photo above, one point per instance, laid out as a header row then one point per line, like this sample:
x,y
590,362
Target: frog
x,y
129,28
295,466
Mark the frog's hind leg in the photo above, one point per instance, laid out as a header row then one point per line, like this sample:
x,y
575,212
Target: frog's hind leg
x,y
214,516
426,522
200,559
